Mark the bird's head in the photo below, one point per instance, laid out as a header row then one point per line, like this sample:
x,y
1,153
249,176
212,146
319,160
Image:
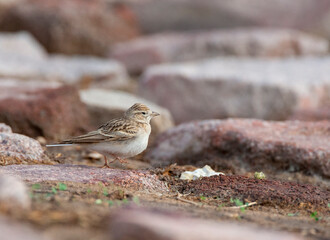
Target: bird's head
x,y
140,112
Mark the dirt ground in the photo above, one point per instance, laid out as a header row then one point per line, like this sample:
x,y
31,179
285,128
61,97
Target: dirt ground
x,y
83,211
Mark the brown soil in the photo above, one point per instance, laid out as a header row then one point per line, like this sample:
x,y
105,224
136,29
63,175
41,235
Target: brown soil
x,y
83,210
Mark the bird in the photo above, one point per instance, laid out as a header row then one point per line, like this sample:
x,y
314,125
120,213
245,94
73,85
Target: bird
x,y
118,138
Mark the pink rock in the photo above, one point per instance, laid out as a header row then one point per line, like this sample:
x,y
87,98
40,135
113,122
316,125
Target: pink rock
x,y
144,224
36,108
72,27
269,89
138,54
137,180
252,144
20,149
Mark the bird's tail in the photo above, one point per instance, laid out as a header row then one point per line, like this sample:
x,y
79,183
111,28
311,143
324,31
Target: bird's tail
x,y
59,145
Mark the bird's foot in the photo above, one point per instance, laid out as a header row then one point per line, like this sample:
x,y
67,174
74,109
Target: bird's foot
x,y
105,166
122,161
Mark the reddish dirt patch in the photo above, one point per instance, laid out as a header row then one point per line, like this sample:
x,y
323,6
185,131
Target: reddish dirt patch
x,y
284,194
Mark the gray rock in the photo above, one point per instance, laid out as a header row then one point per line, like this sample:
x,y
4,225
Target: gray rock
x,y
78,70
145,224
247,143
138,54
21,44
132,179
5,128
238,87
13,192
104,105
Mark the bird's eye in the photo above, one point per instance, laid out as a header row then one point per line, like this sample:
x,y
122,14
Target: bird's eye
x,y
144,113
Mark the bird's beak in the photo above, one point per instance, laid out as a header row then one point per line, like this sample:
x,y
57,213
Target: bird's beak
x,y
154,114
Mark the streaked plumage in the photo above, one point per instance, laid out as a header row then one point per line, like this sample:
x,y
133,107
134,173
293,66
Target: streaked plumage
x,y
121,137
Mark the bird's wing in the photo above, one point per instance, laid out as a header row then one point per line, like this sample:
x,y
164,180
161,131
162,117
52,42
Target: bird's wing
x,y
114,130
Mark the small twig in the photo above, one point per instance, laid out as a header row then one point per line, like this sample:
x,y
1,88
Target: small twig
x,y
243,206
178,197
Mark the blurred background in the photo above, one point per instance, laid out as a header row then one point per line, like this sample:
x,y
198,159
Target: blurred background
x,y
68,66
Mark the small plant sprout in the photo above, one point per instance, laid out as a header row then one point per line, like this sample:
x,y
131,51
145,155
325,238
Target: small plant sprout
x,y
259,175
110,203
54,190
329,205
239,203
293,214
315,216
62,187
105,192
36,186
89,190
202,198
98,201
221,206
136,200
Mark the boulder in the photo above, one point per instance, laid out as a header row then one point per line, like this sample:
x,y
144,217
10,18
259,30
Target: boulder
x,y
251,144
238,87
159,225
13,192
104,105
19,149
38,108
72,27
126,179
161,15
77,70
140,53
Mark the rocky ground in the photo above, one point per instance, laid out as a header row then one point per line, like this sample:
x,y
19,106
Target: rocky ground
x,y
250,98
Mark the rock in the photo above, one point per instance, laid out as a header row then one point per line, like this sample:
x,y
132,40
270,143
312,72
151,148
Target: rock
x,y
20,149
78,70
5,128
146,224
13,192
317,114
230,87
138,54
72,27
131,179
37,108
21,45
252,144
12,230
162,15
104,105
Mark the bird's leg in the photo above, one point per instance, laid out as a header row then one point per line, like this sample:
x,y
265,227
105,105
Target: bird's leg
x,y
105,162
122,161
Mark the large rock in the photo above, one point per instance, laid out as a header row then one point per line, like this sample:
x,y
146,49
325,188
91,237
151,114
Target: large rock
x,y
21,45
104,105
142,224
19,149
230,87
126,179
252,144
77,70
137,54
72,27
37,108
160,15
13,192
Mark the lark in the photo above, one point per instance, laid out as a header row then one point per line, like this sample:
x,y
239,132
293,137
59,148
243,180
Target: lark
x,y
119,138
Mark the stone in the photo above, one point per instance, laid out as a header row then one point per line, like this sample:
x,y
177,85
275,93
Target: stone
x,y
271,89
21,44
5,128
38,108
159,225
13,230
177,15
251,144
72,27
13,192
75,70
128,179
104,105
140,53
